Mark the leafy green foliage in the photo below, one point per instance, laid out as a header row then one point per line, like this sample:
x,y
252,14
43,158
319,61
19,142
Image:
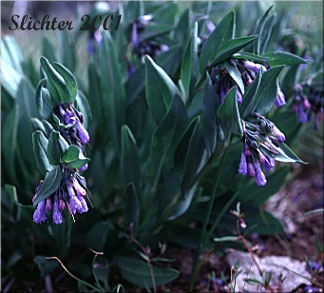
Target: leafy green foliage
x,y
157,135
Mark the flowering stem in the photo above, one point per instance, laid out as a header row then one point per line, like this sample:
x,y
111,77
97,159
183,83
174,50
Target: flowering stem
x,y
148,259
204,227
73,276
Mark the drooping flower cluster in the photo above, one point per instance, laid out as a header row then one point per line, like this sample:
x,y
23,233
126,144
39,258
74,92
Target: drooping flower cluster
x,y
145,47
72,188
311,103
248,70
300,104
74,132
260,139
71,193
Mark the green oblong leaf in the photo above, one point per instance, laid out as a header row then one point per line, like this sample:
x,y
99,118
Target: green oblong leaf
x,y
222,33
228,113
230,47
40,143
70,82
50,184
138,272
284,58
53,148
160,89
56,83
130,168
189,65
267,91
44,101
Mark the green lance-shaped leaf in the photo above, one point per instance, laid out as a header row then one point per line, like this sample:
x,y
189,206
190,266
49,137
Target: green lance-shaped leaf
x,y
154,30
285,154
166,135
259,30
189,66
70,82
38,125
235,74
209,116
9,140
44,102
266,33
132,205
227,50
50,184
48,127
247,105
224,32
267,91
160,89
53,148
112,89
56,83
138,272
82,104
228,114
97,237
130,168
63,144
284,58
188,154
40,143
74,157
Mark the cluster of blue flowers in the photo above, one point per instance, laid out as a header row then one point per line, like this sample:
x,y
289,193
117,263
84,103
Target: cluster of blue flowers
x,y
74,132
72,189
70,193
259,138
248,70
308,101
145,47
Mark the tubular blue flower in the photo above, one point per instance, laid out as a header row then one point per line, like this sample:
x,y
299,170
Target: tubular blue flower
x,y
259,177
62,204
268,164
57,216
70,191
40,213
243,167
79,189
251,170
280,100
75,203
254,66
48,204
84,167
83,133
302,115
239,97
210,27
134,36
84,205
278,133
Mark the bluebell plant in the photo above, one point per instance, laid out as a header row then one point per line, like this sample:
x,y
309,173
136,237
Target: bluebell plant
x,y
63,186
260,141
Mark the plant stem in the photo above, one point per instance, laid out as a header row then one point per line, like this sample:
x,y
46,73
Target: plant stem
x,y
204,227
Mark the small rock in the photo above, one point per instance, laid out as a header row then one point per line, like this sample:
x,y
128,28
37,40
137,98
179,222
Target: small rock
x,y
275,264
